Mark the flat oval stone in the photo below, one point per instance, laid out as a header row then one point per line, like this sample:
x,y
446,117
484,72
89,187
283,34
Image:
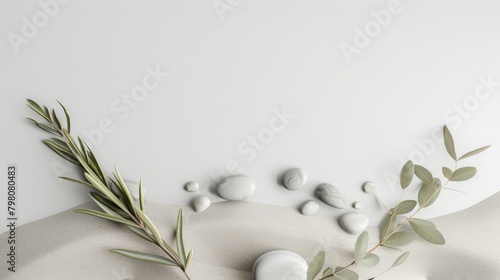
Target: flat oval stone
x,y
201,203
236,187
192,186
354,223
370,187
309,208
280,264
295,179
330,195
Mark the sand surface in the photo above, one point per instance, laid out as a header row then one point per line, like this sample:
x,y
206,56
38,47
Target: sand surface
x,y
229,236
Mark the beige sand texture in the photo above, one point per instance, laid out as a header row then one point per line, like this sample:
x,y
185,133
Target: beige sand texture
x,y
229,236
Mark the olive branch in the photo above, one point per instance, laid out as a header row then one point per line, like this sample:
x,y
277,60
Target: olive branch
x,y
392,234
110,194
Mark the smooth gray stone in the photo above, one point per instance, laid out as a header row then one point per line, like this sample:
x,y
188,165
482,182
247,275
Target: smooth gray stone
x,y
330,195
192,186
236,187
201,203
354,223
280,264
309,208
295,179
357,205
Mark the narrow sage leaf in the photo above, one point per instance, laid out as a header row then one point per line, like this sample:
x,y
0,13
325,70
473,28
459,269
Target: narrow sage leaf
x,y
316,265
407,174
105,216
423,174
449,144
369,260
400,238
428,232
361,246
463,174
474,152
141,195
427,195
189,258
401,259
68,118
140,233
328,271
423,223
405,207
144,257
447,172
179,238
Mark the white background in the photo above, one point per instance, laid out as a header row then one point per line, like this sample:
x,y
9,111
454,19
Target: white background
x,y
357,117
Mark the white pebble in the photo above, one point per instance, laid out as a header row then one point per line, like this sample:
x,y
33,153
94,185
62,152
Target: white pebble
x,y
330,195
201,203
295,179
370,187
192,186
356,205
354,223
236,187
280,264
309,208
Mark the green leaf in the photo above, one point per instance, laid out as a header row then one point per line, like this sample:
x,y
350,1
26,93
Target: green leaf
x,y
78,181
427,230
35,107
407,174
179,238
463,174
140,233
56,119
346,274
141,195
447,172
188,260
316,265
144,257
387,226
405,207
401,259
449,144
369,260
423,174
427,195
61,151
361,246
400,238
105,216
68,119
474,152
328,272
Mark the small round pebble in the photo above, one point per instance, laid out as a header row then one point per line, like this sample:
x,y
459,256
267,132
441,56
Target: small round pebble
x,y
192,186
295,179
370,187
309,208
354,223
356,205
201,203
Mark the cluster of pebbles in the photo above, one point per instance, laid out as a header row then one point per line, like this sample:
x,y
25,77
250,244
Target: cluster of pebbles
x,y
241,187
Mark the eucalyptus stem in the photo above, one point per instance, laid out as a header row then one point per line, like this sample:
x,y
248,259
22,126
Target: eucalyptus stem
x,y
112,196
391,233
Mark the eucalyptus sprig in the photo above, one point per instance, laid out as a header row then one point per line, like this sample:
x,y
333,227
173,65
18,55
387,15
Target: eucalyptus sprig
x,y
110,194
392,234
